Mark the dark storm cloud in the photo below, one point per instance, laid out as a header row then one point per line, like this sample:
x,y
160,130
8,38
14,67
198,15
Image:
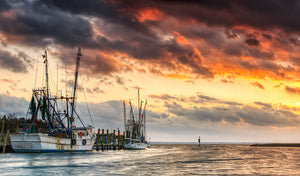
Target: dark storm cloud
x,y
41,23
265,14
4,6
147,47
13,63
36,24
114,27
111,12
252,42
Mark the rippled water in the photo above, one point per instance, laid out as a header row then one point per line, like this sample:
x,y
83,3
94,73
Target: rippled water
x,y
158,160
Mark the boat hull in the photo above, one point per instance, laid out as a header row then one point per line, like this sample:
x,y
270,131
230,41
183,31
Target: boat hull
x,y
135,146
39,142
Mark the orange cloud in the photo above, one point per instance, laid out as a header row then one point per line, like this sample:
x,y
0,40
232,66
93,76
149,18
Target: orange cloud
x,y
7,80
283,128
150,14
177,76
181,39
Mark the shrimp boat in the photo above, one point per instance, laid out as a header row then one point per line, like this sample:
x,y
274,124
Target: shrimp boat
x,y
50,124
135,127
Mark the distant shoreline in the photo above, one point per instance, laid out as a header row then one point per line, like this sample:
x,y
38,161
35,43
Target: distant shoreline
x,y
277,145
196,143
252,144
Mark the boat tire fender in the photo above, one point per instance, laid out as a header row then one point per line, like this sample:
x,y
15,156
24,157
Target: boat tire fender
x,y
73,141
83,142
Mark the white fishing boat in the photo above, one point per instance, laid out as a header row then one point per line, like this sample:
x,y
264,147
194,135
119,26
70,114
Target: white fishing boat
x,y
59,132
135,145
135,127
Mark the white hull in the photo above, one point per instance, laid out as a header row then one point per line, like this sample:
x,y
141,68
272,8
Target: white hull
x,y
39,142
135,146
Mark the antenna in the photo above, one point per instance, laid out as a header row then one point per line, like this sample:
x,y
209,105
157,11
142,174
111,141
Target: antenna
x,y
124,114
57,79
66,82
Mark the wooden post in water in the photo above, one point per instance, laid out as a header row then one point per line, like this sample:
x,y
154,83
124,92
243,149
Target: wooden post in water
x,y
107,139
5,141
18,128
102,141
118,139
98,140
123,139
114,140
2,129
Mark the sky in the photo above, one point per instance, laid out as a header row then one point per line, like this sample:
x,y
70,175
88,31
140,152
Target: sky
x,y
225,70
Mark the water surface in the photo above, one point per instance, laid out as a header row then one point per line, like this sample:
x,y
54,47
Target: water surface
x,y
159,160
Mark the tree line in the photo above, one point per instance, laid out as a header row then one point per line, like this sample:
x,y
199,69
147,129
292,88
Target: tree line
x,y
14,123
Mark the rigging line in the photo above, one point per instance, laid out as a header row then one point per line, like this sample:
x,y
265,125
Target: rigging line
x,y
87,105
57,79
51,78
37,65
43,77
66,81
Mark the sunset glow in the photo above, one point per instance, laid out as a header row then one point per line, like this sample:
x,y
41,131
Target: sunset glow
x,y
220,70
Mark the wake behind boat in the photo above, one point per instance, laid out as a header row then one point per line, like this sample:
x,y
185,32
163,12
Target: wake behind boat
x,y
58,131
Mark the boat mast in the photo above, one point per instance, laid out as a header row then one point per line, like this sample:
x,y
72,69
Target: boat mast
x,y
47,86
139,111
75,84
139,101
124,116
144,118
46,70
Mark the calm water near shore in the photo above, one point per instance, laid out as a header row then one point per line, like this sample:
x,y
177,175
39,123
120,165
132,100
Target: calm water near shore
x,y
160,159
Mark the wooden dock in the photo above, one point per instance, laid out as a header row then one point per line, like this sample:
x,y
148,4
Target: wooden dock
x,y
5,145
109,141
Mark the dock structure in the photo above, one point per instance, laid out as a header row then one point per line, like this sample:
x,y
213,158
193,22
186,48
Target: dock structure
x,y
5,146
109,140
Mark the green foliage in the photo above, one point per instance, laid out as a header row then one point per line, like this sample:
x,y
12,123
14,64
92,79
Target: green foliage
x,y
12,122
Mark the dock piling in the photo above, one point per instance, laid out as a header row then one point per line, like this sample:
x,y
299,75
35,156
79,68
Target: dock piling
x,y
5,141
123,139
110,140
114,139
107,139
2,129
118,139
102,141
98,140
